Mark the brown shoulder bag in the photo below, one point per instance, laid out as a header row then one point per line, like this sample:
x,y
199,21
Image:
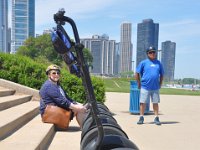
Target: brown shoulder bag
x,y
57,115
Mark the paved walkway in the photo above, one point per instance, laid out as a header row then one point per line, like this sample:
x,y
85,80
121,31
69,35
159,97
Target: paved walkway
x,y
180,129
180,117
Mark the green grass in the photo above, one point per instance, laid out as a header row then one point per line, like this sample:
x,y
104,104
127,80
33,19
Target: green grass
x,y
171,91
117,85
123,85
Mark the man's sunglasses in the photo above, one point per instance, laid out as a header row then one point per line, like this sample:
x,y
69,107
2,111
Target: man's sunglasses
x,y
152,52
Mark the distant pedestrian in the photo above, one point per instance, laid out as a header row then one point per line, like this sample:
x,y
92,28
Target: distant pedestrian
x,y
149,76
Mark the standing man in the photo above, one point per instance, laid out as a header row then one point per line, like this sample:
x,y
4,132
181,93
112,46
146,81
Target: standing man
x,y
149,76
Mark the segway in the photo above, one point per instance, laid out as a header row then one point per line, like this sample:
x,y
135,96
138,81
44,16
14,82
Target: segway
x,y
100,130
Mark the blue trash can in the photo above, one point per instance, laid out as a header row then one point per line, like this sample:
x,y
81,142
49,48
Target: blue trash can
x,y
134,106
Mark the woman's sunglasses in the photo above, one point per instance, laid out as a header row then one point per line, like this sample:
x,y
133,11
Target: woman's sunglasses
x,y
55,72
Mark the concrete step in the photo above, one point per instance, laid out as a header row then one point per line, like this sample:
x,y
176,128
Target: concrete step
x,y
21,126
6,92
35,135
15,117
20,88
13,100
69,139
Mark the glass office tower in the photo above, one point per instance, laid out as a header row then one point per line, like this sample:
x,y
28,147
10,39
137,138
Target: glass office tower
x,y
23,22
168,59
125,48
116,62
102,50
4,26
147,35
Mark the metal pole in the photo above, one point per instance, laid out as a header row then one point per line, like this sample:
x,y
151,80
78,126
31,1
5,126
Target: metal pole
x,y
61,20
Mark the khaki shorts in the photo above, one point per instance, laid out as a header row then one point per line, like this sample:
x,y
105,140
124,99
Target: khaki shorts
x,y
145,96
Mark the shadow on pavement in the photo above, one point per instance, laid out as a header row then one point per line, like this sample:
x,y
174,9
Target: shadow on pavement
x,y
164,122
70,129
146,114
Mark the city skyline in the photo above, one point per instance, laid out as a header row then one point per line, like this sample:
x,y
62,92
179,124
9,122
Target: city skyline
x,y
23,22
126,47
4,26
178,20
102,50
147,35
168,55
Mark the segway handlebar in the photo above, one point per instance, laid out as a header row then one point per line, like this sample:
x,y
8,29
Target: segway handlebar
x,y
60,20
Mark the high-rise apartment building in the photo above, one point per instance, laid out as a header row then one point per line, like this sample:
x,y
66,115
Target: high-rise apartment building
x,y
116,59
147,35
102,50
23,22
4,26
168,53
126,47
9,40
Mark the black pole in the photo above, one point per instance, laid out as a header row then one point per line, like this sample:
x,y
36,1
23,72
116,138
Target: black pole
x,y
60,19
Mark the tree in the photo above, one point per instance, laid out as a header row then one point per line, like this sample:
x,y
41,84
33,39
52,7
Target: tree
x,y
127,74
38,47
188,81
42,50
88,57
28,49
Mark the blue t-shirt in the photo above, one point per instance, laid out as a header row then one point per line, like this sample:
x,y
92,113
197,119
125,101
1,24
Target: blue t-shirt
x,y
150,72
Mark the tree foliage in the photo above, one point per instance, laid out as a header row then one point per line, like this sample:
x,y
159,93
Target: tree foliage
x,y
41,49
88,57
188,81
127,74
25,71
40,46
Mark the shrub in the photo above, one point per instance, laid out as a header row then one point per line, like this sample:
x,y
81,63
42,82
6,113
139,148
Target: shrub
x,y
21,70
25,71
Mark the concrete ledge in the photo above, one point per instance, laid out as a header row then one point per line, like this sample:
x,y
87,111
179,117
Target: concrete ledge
x,y
13,100
35,135
6,92
15,117
20,89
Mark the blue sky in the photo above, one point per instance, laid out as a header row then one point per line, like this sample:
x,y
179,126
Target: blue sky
x,y
179,21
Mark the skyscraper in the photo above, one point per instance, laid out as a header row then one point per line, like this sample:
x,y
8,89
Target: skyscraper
x,y
125,47
147,35
23,22
102,50
168,59
4,26
116,62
